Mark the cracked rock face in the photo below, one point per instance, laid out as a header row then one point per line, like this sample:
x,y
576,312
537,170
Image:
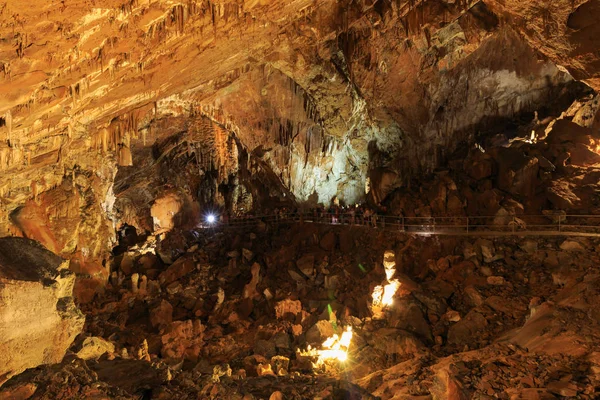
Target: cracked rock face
x,y
39,320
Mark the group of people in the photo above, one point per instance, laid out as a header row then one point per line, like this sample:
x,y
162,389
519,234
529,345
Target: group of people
x,y
334,214
347,215
357,214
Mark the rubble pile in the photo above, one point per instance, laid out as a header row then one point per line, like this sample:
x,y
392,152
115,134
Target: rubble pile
x,y
289,313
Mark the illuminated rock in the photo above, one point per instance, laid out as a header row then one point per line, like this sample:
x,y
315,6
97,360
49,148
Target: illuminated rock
x,y
94,348
39,318
334,348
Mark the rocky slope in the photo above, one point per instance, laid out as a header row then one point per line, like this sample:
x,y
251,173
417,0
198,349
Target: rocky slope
x,y
473,318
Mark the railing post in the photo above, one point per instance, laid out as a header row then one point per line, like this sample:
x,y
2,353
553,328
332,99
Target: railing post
x,y
467,224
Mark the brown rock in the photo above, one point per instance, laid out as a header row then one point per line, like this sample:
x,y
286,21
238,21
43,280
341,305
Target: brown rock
x,y
306,264
126,264
249,291
328,241
163,212
288,307
474,297
496,280
176,271
162,315
560,193
583,156
33,221
183,340
94,348
39,318
280,365
479,165
452,316
252,362
406,314
319,332
265,370
572,245
276,396
517,173
395,342
19,392
467,330
91,279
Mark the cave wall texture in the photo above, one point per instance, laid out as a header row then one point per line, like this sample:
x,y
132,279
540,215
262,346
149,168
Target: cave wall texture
x,y
105,105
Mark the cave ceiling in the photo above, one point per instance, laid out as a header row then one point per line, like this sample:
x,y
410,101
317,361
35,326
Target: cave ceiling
x,y
322,92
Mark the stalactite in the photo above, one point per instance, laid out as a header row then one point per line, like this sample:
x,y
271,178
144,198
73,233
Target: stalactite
x,y
8,123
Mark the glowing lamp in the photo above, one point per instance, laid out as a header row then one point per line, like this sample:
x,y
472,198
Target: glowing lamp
x,y
211,219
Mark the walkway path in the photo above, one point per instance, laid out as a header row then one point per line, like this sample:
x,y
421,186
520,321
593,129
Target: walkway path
x,y
531,225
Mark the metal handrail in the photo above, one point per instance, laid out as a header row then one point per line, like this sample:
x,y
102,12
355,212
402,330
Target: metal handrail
x,y
555,223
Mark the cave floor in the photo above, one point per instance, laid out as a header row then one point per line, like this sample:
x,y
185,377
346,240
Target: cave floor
x,y
229,314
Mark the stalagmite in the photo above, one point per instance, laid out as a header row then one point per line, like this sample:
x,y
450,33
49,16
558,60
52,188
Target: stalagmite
x,y
134,283
143,285
383,295
250,288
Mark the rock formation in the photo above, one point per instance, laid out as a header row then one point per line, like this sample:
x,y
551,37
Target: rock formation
x,y
124,124
266,99
39,320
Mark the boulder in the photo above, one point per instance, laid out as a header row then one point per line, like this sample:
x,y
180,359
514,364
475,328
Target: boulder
x,y
319,332
583,156
91,279
306,264
277,395
467,330
406,314
479,165
183,340
280,365
93,348
250,288
265,348
560,194
488,250
288,307
496,280
529,246
517,172
162,314
395,342
328,241
247,254
163,212
571,245
473,296
39,318
176,271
